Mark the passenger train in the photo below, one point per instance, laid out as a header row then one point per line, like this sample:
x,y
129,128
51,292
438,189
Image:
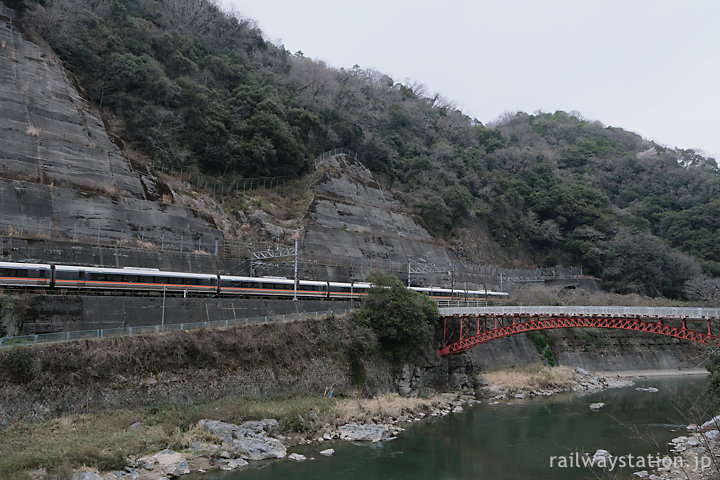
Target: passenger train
x,y
59,277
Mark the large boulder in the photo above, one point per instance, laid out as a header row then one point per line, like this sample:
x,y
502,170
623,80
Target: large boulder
x,y
86,476
364,433
249,440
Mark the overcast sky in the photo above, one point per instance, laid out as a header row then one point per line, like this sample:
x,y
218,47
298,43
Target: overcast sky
x,y
649,66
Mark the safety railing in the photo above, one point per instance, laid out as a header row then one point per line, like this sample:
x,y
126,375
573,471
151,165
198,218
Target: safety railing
x,y
336,151
69,336
462,303
588,311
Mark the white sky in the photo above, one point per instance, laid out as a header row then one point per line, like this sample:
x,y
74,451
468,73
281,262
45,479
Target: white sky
x,y
648,66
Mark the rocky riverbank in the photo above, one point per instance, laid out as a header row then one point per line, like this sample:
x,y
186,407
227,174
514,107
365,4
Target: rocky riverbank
x,y
543,382
693,456
214,444
220,445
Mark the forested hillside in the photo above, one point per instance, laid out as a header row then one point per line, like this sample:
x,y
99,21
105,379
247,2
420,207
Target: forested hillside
x,y
180,82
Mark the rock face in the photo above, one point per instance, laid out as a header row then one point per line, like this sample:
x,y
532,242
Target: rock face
x,y
61,176
364,433
50,135
429,374
249,440
352,217
615,350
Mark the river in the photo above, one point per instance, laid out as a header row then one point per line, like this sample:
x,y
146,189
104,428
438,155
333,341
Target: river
x,y
510,440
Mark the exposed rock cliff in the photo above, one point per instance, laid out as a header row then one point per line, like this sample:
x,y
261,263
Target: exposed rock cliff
x,y
61,176
353,219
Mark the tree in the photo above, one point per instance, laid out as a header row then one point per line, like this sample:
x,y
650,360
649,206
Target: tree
x,y
703,288
402,319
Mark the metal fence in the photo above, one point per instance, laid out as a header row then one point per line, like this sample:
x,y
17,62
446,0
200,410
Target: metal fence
x,y
462,303
80,233
209,184
332,153
589,311
154,329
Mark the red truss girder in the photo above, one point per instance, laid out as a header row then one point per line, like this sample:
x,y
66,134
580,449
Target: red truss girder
x,y
525,324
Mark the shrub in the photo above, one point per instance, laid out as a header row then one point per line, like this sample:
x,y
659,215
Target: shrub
x,y
402,319
543,347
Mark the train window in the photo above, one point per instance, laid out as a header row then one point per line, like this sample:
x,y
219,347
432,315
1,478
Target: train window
x,y
8,272
65,275
36,273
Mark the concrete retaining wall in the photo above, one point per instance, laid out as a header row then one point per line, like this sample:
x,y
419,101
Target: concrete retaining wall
x,y
60,313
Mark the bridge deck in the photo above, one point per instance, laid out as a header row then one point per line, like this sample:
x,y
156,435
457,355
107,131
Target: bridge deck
x,y
587,311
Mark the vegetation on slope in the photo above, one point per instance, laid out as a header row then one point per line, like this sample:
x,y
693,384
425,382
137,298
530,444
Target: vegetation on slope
x,y
187,84
403,320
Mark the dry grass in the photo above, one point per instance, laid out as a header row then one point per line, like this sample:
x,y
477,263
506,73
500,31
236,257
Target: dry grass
x,y
12,232
104,439
59,445
383,408
140,243
530,378
288,203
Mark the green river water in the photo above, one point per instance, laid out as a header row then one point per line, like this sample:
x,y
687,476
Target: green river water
x,y
511,440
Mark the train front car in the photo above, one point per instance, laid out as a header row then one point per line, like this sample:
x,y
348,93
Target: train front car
x,y
14,274
133,279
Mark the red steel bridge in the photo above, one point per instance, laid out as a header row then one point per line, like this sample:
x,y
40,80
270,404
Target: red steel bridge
x,y
466,327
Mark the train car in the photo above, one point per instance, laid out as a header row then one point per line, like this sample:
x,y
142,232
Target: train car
x,y
149,279
437,293
448,294
25,274
312,288
348,290
139,279
495,294
272,286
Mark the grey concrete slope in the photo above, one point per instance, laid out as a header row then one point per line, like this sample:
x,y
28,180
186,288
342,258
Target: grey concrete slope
x,y
353,218
61,176
48,132
44,212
